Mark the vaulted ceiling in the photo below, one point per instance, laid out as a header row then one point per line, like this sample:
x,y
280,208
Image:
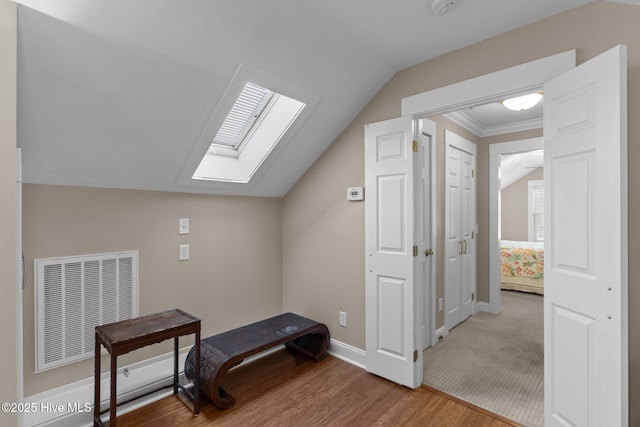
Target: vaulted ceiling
x,y
121,93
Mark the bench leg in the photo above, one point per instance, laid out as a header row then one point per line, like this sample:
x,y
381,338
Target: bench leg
x,y
314,345
220,397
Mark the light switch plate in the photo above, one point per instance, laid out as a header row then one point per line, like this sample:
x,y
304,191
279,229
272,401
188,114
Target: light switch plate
x,y
184,253
183,226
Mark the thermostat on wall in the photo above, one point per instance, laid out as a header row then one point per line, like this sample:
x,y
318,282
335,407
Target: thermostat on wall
x,y
355,193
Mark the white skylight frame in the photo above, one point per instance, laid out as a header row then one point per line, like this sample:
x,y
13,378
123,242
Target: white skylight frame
x,y
223,104
239,162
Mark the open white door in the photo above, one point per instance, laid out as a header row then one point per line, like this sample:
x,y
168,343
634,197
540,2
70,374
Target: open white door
x,y
585,307
391,329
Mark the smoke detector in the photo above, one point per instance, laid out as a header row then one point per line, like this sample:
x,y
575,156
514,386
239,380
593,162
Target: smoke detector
x,y
440,7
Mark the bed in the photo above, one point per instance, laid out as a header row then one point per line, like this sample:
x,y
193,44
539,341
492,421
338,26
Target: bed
x,y
522,266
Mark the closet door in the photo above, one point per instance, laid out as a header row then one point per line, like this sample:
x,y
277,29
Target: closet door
x,y
460,219
467,233
453,270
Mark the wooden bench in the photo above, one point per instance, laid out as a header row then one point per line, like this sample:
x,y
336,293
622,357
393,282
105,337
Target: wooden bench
x,y
221,352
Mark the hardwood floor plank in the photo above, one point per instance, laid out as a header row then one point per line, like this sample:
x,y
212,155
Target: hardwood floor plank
x,y
286,389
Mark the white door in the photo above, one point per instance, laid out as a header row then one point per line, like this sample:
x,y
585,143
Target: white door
x,y
390,286
585,304
459,229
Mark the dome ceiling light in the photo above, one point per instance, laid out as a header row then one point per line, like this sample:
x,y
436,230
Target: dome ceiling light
x,y
524,102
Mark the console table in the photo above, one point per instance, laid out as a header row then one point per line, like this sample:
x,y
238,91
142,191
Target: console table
x,y
122,337
223,351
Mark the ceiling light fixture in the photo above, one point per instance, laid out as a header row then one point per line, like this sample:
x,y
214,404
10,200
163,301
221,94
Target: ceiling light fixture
x,y
440,7
524,102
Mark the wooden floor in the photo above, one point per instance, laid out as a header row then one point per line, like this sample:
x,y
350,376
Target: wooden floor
x,y
285,389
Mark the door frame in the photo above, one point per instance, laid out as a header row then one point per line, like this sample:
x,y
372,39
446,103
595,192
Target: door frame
x,y
427,139
495,151
482,90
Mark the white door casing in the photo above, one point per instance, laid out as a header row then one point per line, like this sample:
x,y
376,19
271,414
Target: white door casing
x,y
495,153
392,324
427,228
480,90
585,307
459,277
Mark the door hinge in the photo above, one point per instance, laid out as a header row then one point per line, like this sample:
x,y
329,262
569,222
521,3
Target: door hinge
x,y
473,173
415,250
473,296
473,234
415,356
415,146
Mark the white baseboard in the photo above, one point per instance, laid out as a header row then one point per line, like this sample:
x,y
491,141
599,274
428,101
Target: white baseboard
x,y
71,405
483,306
348,353
442,333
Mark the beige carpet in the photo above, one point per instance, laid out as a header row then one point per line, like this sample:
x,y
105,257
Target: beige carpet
x,y
495,360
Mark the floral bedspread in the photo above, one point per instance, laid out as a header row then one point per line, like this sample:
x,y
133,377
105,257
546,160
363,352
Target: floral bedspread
x,y
522,262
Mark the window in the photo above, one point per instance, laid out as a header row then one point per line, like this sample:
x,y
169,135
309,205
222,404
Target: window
x,y
256,122
536,211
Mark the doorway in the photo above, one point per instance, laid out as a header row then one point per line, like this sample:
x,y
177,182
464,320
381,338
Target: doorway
x,y
519,325
575,117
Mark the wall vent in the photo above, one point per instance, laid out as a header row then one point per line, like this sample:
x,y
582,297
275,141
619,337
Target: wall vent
x,y
75,294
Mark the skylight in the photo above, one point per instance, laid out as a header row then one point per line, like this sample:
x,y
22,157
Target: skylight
x,y
257,121
244,113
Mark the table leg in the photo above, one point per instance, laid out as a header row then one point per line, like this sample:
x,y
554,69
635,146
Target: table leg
x,y
196,400
175,365
96,384
114,377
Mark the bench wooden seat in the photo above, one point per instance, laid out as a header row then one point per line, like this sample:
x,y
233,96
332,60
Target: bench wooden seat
x,y
221,352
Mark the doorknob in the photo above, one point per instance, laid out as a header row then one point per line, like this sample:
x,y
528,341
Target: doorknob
x,y
428,252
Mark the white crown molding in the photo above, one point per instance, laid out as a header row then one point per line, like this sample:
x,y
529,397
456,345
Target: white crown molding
x,y
477,129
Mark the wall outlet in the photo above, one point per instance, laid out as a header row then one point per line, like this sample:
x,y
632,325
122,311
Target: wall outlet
x,y
343,319
439,304
184,253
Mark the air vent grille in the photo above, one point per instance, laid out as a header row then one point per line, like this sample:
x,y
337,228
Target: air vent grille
x,y
76,294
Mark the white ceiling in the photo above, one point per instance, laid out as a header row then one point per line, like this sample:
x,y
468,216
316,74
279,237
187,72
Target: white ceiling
x,y
516,166
120,93
496,119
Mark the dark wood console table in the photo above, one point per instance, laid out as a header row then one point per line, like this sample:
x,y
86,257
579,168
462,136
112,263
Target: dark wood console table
x,y
128,335
224,351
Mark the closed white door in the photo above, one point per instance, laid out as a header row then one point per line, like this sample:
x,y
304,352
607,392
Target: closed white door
x,y
585,303
459,287
390,286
